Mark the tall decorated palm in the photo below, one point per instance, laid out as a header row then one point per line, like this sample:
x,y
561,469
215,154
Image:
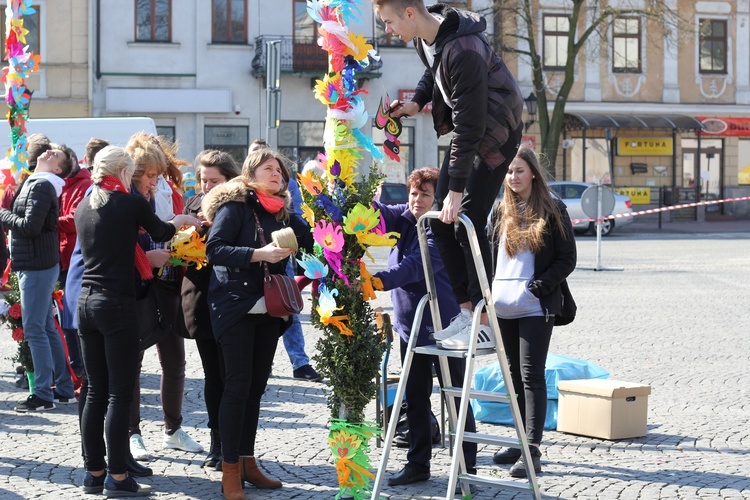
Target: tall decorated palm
x,y
338,206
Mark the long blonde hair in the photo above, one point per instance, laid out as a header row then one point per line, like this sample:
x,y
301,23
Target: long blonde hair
x,y
524,224
111,160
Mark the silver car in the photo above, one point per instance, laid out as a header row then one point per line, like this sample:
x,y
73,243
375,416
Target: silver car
x,y
570,193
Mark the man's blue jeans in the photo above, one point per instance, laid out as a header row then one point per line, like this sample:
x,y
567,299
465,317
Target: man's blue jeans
x,y
294,339
47,351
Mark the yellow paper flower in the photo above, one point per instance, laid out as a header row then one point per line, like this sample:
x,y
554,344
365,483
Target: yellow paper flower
x,y
308,214
359,48
311,183
189,248
343,444
361,219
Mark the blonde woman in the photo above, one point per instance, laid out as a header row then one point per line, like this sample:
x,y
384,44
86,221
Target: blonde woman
x,y
150,165
108,222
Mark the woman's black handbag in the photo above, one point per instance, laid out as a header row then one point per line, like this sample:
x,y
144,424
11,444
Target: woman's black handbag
x,y
568,309
152,325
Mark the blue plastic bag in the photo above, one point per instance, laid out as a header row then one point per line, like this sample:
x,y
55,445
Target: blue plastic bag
x,y
558,367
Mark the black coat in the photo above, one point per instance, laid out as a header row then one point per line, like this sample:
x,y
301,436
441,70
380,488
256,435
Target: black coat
x,y
195,309
236,283
32,221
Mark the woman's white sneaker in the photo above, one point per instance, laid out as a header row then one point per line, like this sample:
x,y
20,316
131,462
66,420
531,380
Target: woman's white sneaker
x,y
137,448
459,323
180,440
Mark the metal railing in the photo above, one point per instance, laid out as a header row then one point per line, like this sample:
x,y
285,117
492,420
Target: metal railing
x,y
301,56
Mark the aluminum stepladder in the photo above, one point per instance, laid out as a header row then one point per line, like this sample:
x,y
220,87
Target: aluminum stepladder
x,y
458,472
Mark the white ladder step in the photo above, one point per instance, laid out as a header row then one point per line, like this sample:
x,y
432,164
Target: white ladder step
x,y
496,483
476,437
498,397
434,350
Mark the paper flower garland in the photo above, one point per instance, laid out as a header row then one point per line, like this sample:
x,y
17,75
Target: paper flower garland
x,y
338,208
21,63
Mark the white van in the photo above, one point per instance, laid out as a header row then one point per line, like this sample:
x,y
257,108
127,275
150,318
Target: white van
x,y
76,132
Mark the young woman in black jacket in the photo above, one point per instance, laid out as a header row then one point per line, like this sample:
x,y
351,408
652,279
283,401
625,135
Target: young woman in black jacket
x,y
246,334
212,168
535,253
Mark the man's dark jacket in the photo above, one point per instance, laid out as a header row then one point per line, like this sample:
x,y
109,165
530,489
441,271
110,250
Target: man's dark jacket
x,y
487,103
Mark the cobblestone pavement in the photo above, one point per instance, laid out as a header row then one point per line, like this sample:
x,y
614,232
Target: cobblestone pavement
x,y
677,318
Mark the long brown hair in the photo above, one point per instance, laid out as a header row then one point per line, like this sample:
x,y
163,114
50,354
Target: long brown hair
x,y
524,224
258,158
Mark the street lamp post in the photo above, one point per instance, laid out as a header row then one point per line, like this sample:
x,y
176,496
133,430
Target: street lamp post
x,y
531,109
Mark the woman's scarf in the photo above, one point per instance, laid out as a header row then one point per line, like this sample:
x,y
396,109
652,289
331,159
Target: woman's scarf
x,y
270,202
142,264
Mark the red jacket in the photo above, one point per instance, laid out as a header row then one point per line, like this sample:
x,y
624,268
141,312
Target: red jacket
x,y
72,194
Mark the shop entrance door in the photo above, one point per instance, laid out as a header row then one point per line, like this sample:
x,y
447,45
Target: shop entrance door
x,y
709,181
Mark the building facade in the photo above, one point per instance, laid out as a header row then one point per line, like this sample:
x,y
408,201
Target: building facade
x,y
59,32
656,103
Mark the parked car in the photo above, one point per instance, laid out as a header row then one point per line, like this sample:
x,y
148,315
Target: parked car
x,y
570,193
392,193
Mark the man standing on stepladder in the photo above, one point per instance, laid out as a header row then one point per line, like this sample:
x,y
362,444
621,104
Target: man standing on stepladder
x,y
475,96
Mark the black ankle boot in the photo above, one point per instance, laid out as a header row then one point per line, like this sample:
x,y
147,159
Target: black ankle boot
x,y
214,457
137,470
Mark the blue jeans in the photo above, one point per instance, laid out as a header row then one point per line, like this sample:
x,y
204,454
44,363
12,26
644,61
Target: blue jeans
x,y
294,339
47,351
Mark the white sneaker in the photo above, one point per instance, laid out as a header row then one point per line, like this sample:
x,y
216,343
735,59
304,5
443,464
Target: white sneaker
x,y
458,324
137,448
460,342
181,441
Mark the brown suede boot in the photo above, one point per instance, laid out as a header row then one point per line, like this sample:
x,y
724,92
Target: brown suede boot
x,y
253,475
231,481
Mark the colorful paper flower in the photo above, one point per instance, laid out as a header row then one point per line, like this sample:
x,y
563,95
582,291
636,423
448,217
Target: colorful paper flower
x,y
314,268
361,218
310,182
330,207
308,214
17,334
15,311
329,236
188,249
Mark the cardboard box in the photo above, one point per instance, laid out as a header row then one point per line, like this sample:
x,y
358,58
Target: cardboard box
x,y
605,409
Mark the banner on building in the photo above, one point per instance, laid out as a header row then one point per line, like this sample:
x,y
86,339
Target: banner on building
x,y
639,195
644,146
725,125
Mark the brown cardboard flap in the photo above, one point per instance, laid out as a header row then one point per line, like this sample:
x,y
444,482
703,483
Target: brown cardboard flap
x,y
605,388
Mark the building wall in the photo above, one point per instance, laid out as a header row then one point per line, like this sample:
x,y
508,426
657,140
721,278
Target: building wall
x,y
61,86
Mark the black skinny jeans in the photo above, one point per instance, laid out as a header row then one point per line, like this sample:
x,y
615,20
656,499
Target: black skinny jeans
x,y
452,240
213,378
526,342
418,392
248,347
171,352
109,342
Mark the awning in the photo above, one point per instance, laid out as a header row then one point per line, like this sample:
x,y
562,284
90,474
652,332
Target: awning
x,y
577,121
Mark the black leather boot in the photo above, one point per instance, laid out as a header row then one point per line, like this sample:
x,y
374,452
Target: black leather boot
x,y
137,470
214,457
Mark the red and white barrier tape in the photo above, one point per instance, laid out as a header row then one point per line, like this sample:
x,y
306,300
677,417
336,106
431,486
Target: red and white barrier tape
x,y
663,209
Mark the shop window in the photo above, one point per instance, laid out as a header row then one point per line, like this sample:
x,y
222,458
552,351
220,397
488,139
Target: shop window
x,y
712,55
153,20
229,21
555,29
626,45
230,139
166,131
